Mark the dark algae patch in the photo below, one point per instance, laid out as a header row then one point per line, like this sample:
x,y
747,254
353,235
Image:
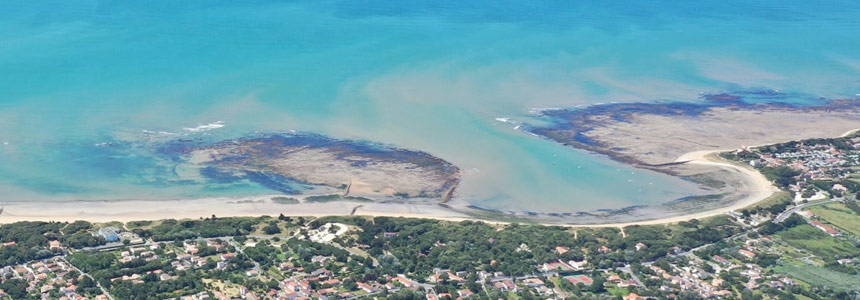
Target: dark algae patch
x,y
571,126
289,163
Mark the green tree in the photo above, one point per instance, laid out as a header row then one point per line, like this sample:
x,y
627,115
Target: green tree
x,y
272,228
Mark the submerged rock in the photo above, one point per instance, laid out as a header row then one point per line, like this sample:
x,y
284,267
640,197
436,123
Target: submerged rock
x,y
283,161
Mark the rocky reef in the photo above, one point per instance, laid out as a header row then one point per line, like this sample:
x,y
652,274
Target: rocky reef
x,y
651,134
287,162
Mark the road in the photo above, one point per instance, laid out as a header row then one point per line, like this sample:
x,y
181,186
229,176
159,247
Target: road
x,y
99,285
240,249
784,215
626,269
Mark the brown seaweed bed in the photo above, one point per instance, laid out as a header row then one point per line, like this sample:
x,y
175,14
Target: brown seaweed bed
x,y
286,162
653,134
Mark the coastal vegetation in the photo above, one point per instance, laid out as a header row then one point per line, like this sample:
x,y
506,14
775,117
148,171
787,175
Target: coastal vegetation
x,y
170,230
26,241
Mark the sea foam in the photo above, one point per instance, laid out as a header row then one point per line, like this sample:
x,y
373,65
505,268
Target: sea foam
x,y
207,127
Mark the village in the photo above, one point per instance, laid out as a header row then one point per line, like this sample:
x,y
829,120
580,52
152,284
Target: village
x,y
821,168
234,268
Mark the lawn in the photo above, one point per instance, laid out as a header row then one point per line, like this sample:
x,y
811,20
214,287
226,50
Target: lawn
x,y
840,215
618,291
275,274
818,275
819,243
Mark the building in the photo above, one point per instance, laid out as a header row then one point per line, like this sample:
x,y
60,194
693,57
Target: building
x,y
366,287
110,234
505,285
826,228
722,260
404,281
578,265
746,253
465,293
533,282
55,244
633,296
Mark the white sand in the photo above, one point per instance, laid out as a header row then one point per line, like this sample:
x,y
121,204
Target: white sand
x,y
130,210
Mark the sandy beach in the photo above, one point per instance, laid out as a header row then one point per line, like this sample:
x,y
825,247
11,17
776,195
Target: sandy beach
x,y
756,188
759,189
130,210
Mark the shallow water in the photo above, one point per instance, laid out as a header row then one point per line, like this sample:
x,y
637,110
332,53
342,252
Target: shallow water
x,y
81,82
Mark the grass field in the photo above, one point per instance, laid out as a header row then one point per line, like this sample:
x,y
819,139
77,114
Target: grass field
x,y
618,291
818,275
840,215
275,274
819,243
142,224
776,198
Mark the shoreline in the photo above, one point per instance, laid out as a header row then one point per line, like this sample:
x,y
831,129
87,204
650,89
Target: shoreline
x,y
133,210
759,189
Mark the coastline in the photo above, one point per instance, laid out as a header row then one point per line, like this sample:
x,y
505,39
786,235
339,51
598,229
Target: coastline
x,y
758,188
131,210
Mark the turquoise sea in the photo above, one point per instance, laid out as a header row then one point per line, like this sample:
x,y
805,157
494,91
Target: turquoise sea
x,y
87,88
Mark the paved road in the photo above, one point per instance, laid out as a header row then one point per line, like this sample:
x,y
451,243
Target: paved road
x,y
626,269
99,285
784,215
240,249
